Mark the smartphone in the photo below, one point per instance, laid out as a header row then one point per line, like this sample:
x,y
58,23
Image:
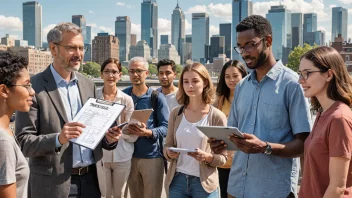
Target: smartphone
x,y
122,125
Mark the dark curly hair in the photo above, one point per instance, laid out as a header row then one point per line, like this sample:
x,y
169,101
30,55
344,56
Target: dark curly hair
x,y
164,62
261,25
11,67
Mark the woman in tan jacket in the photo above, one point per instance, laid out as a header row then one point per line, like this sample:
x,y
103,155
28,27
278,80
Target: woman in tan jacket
x,y
193,174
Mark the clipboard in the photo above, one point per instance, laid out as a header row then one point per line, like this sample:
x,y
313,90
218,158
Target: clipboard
x,y
221,133
98,116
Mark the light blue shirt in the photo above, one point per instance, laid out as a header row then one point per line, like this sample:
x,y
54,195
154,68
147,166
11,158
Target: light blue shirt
x,y
71,100
274,110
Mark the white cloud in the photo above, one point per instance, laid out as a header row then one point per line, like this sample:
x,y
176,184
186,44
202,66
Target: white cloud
x,y
347,2
46,31
188,27
350,10
122,4
136,29
10,23
91,12
221,11
213,30
107,29
93,25
164,26
332,6
197,9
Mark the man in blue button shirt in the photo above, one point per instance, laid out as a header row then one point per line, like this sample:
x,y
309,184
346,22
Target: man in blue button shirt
x,y
270,108
147,167
58,167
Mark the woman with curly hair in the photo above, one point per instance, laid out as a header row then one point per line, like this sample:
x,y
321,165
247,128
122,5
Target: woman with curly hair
x,y
328,148
15,95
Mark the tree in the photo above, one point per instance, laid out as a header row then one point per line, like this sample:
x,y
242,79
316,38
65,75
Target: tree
x,y
295,56
124,71
179,69
92,69
152,69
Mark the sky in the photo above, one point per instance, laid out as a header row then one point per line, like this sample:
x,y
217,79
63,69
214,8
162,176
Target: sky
x,y
101,15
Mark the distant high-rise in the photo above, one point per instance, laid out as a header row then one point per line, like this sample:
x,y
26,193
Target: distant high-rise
x,y
225,30
189,38
280,20
32,23
164,39
123,33
149,21
141,49
186,52
168,51
200,33
133,39
339,23
104,46
240,10
177,28
297,29
80,21
217,46
310,22
88,35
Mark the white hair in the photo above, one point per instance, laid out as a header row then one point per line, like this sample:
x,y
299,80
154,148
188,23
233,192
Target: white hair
x,y
55,34
139,59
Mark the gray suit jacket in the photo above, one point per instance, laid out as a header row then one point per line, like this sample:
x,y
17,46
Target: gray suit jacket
x,y
36,132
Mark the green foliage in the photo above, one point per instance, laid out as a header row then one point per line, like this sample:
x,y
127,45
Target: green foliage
x,y
92,69
295,55
124,71
152,69
179,69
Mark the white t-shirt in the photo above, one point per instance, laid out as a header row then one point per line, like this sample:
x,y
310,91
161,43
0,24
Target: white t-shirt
x,y
170,99
190,137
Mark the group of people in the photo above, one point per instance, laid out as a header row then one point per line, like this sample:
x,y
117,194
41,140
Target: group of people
x,y
269,105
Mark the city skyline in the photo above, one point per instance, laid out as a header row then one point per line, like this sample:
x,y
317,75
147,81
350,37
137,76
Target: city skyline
x,y
102,16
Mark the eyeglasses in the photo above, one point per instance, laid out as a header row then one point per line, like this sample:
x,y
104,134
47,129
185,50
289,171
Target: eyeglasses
x,y
137,71
27,86
113,72
72,49
249,48
305,74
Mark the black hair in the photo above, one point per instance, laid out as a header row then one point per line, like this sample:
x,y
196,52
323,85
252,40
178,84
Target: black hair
x,y
164,62
222,89
259,24
11,67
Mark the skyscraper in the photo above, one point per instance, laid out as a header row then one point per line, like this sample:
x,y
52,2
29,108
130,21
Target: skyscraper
x,y
80,21
104,46
189,38
149,21
88,35
200,37
164,39
280,19
339,23
297,29
88,44
123,33
225,30
133,39
310,22
240,10
32,23
217,46
177,28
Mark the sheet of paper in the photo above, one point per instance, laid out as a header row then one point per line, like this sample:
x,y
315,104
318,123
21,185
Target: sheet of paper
x,y
97,116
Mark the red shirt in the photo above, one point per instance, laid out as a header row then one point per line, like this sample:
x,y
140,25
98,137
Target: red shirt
x,y
331,137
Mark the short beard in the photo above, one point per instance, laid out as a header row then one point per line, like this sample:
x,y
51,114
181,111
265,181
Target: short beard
x,y
166,86
260,61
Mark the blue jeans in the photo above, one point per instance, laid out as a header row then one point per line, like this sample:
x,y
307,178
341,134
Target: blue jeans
x,y
188,186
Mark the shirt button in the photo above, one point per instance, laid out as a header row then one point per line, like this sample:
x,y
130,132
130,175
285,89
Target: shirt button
x,y
244,173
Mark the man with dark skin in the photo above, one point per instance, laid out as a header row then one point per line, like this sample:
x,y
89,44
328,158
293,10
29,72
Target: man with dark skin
x,y
270,109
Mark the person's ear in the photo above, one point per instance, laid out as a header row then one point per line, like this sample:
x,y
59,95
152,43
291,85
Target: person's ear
x,y
4,91
330,75
268,41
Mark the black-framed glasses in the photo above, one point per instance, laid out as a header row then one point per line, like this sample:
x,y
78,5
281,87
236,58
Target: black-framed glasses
x,y
305,74
72,49
137,71
249,48
113,72
27,86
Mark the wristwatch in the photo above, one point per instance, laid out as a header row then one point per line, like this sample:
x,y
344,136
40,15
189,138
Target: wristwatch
x,y
268,149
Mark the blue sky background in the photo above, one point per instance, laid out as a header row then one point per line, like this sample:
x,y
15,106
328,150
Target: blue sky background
x,y
101,14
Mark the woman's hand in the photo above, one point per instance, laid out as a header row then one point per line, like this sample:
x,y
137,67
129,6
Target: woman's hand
x,y
202,156
171,154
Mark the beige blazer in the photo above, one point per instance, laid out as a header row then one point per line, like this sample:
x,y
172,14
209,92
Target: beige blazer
x,y
36,130
208,172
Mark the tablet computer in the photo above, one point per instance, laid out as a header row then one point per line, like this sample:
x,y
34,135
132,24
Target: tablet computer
x,y
141,116
182,150
221,133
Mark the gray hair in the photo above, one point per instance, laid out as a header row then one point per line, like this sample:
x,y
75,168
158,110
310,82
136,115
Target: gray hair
x,y
139,60
55,34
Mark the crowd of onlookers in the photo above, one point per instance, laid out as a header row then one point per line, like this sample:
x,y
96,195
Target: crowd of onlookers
x,y
269,105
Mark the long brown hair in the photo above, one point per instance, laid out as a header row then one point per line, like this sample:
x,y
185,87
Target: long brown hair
x,y
208,92
340,86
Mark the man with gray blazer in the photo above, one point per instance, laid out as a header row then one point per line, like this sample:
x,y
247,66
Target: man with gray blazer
x,y
58,167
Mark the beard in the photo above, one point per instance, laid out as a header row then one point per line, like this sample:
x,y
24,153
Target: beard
x,y
66,64
259,62
167,85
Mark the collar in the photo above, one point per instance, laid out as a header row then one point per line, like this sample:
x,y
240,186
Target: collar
x,y
58,79
272,73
